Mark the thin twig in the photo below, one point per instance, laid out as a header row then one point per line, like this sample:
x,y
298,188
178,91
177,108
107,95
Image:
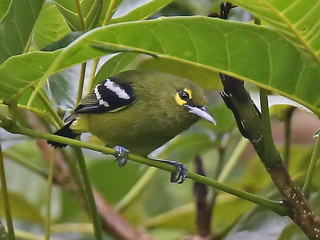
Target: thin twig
x,y
48,196
312,166
5,197
89,194
273,205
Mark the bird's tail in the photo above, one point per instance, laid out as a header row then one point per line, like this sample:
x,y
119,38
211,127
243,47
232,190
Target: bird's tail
x,y
65,131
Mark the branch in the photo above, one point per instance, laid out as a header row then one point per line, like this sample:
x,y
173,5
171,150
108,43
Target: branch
x,y
256,128
275,206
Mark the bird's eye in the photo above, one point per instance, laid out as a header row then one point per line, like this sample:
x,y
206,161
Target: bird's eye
x,y
184,95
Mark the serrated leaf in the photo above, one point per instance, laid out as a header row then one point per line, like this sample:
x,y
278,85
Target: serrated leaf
x,y
16,26
83,18
212,44
297,20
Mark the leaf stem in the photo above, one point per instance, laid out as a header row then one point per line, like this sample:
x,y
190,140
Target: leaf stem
x,y
81,82
287,135
6,204
314,159
267,131
80,15
109,13
48,105
89,194
92,74
275,206
48,196
45,76
230,165
96,61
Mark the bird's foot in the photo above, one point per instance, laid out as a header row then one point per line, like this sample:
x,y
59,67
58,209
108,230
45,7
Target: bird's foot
x,y
181,172
121,155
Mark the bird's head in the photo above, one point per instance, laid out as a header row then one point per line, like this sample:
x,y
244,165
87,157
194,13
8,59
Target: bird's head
x,y
162,95
194,101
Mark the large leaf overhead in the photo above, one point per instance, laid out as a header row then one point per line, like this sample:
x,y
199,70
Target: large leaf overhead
x,y
298,20
252,53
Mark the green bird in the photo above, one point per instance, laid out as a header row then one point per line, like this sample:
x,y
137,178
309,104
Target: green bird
x,y
138,110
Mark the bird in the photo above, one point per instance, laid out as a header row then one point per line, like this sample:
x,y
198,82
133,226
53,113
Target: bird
x,y
138,111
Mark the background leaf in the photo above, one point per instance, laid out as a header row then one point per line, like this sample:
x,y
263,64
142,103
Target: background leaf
x,y
50,26
16,27
4,6
85,18
258,224
141,12
115,65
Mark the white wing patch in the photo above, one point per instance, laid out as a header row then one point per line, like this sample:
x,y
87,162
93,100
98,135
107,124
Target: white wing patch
x,y
98,96
112,86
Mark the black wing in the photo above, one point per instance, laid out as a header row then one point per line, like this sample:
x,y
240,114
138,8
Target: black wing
x,y
107,96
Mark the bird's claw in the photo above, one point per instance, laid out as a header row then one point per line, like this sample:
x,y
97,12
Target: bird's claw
x,y
121,155
180,174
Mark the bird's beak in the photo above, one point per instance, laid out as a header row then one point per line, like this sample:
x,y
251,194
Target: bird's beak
x,y
201,112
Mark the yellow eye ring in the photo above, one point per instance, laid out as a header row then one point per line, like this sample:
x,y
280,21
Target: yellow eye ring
x,y
183,96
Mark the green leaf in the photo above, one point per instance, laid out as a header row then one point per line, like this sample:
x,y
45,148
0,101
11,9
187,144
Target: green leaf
x,y
105,8
63,87
291,232
83,18
32,67
63,42
142,12
50,26
187,147
258,224
16,27
297,20
203,77
113,186
114,65
211,44
4,6
22,209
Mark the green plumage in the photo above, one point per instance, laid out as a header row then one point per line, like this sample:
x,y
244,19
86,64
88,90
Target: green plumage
x,y
151,120
139,111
